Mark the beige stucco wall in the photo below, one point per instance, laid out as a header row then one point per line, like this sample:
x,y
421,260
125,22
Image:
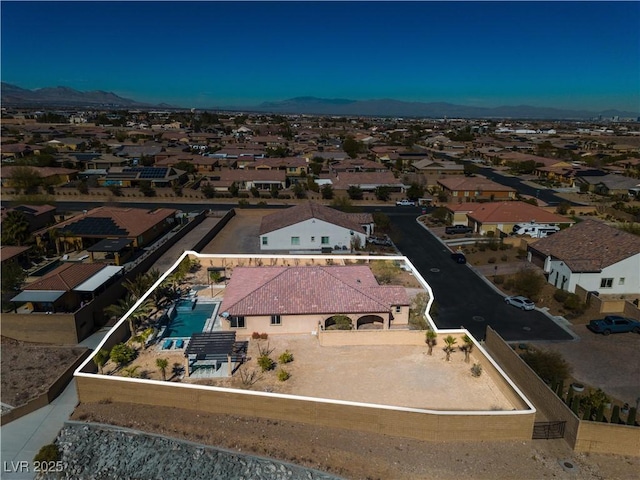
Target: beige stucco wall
x,y
410,423
40,327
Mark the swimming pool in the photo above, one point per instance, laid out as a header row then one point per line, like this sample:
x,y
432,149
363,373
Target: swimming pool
x,y
186,323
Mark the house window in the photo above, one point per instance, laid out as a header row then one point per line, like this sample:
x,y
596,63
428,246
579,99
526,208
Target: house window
x,y
621,281
325,240
276,320
295,240
398,308
265,240
237,322
606,283
313,239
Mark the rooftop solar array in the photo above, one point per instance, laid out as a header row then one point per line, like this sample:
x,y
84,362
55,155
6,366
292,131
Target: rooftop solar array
x,y
95,226
149,172
110,245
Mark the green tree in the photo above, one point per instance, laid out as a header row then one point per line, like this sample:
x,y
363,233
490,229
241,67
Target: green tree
x,y
415,191
83,187
316,168
26,179
431,339
382,193
186,166
528,282
382,222
147,189
100,359
326,191
449,342
471,168
351,146
122,354
355,193
15,229
162,364
208,190
13,275
343,204
299,191
275,191
234,189
550,366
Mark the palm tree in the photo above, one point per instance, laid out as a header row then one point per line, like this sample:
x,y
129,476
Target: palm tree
x,y
131,371
119,309
100,358
431,337
467,347
162,364
449,346
15,228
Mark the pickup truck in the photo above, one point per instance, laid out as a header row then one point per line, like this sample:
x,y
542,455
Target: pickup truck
x,y
452,230
405,203
614,324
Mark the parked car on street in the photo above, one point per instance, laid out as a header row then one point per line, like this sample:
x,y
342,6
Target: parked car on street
x,y
405,203
459,257
452,230
614,324
521,302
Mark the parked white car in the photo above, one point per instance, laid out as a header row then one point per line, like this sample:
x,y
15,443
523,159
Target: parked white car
x,y
405,203
521,302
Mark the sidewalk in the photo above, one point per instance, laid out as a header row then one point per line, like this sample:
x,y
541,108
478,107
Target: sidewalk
x,y
22,439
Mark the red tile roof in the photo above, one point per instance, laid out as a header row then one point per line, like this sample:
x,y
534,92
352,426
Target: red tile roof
x,y
512,212
66,277
589,246
308,290
309,210
473,184
9,251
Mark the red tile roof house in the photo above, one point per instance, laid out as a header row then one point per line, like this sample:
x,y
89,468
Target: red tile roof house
x,y
593,255
246,179
502,216
299,299
314,227
140,225
367,181
475,188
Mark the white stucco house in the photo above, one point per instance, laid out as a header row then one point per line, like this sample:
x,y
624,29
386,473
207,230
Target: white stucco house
x,y
593,255
314,228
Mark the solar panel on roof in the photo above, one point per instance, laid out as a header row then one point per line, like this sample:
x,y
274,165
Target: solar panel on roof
x,y
95,226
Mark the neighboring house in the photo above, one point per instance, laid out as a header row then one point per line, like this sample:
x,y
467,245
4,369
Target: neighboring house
x,y
590,254
367,181
293,166
314,227
50,175
14,254
247,179
68,143
132,177
67,288
475,188
438,167
137,151
299,299
138,225
201,163
38,216
500,217
356,165
611,184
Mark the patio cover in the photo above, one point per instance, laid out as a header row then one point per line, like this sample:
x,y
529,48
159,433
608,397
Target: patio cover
x,y
110,245
99,279
38,296
216,346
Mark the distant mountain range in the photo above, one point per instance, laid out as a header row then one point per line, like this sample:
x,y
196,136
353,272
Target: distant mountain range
x,y
14,96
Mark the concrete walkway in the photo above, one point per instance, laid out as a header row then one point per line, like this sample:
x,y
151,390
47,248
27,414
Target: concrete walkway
x,y
22,439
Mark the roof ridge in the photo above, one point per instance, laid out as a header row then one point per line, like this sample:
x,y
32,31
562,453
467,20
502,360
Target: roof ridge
x,y
258,287
355,287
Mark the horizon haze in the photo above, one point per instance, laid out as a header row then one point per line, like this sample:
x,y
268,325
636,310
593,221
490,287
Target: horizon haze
x,y
566,55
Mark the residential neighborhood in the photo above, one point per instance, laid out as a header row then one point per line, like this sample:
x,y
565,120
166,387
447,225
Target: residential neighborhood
x,y
199,242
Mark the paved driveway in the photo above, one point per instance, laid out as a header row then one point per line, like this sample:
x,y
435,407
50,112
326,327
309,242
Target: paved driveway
x,y
465,298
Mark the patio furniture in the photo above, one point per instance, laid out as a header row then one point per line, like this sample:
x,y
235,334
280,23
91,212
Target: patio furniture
x,y
167,344
179,343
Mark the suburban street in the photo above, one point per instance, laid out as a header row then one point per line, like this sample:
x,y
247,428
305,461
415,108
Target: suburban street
x,y
464,298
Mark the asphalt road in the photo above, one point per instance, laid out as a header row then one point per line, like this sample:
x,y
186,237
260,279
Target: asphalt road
x,y
465,299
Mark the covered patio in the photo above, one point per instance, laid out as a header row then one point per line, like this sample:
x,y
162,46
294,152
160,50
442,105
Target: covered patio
x,y
111,250
206,354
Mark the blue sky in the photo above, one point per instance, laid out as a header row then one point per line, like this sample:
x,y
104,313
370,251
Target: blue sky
x,y
582,55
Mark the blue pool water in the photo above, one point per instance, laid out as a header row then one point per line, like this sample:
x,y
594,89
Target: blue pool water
x,y
186,323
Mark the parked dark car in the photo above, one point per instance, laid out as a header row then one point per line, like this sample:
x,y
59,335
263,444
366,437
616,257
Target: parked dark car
x,y
614,324
452,230
459,258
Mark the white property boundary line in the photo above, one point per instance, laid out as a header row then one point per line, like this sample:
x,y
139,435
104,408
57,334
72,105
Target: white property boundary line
x,y
423,283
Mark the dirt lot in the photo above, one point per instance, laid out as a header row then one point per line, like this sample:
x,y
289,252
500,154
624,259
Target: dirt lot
x,y
29,369
356,455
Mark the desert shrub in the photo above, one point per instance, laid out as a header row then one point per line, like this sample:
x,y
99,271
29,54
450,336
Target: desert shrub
x,y
498,279
243,203
492,260
476,370
255,335
264,336
283,375
573,303
122,354
493,245
48,453
482,248
529,282
286,357
504,258
560,295
266,363
549,366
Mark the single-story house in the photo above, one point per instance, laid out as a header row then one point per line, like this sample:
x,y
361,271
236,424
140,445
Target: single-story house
x,y
475,188
314,227
591,254
300,299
